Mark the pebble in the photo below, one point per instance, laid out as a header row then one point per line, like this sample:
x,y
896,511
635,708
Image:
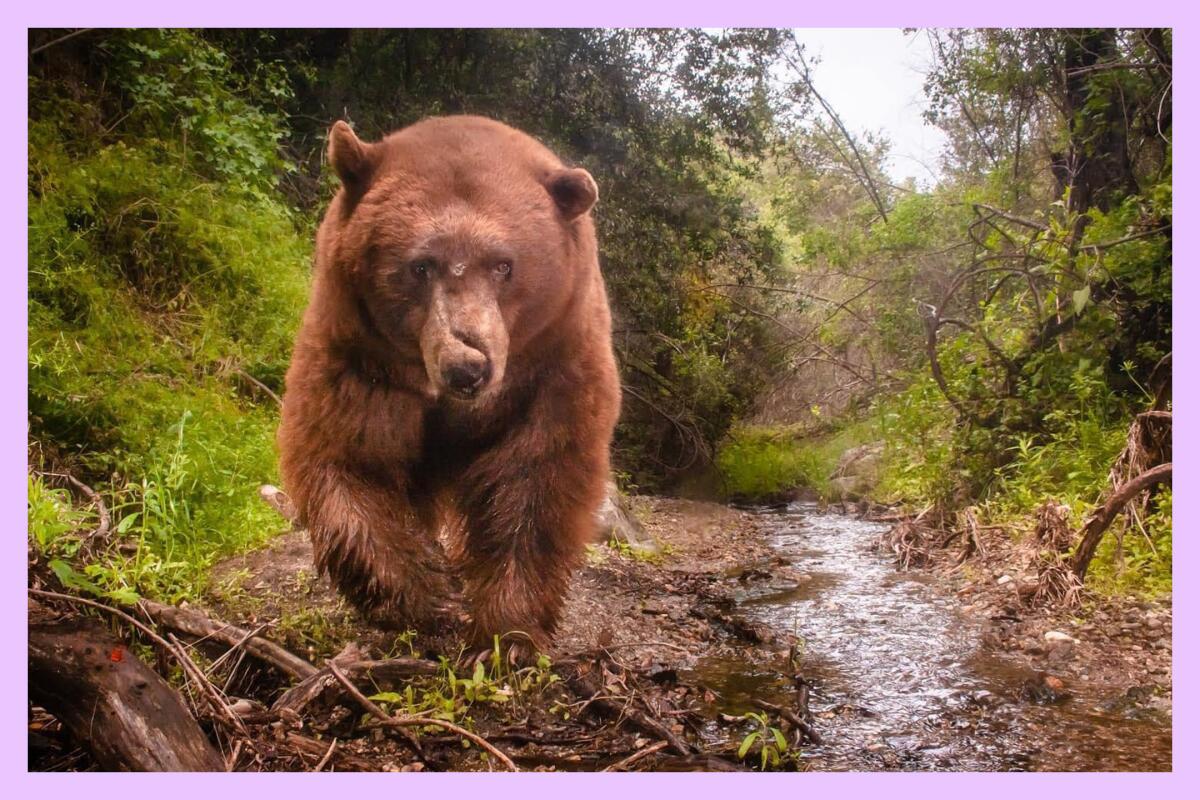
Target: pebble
x,y
1059,636
1004,579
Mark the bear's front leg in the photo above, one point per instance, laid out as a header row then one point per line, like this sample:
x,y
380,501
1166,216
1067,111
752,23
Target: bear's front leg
x,y
527,525
379,551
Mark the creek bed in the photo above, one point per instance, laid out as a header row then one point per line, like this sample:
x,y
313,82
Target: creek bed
x,y
899,681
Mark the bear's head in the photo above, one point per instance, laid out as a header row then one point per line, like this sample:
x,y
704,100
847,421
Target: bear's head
x,y
462,241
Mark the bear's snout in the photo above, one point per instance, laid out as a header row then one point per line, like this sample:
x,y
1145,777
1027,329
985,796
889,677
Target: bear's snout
x,y
468,376
464,344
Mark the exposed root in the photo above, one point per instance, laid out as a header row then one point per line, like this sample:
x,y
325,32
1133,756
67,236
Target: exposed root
x,y
1099,520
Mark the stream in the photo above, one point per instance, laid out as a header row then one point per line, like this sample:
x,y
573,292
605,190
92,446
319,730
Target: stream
x,y
898,679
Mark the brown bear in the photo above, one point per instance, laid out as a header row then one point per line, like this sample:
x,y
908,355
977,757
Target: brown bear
x,y
452,394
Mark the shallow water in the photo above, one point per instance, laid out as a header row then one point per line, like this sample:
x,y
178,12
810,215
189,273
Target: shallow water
x,y
899,681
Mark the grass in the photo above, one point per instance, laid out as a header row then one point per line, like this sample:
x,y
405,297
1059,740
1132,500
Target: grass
x,y
759,462
451,697
926,460
157,298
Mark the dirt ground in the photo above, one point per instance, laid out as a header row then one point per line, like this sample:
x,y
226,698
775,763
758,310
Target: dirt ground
x,y
619,691
638,606
1123,642
631,623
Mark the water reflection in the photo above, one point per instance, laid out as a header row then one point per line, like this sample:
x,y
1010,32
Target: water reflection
x,y
899,680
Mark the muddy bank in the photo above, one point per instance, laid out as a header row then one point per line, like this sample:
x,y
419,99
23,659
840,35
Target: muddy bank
x,y
788,613
635,602
906,675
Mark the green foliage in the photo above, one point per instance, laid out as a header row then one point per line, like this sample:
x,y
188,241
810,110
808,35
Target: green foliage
x,y
773,749
183,90
1137,560
450,697
761,462
162,290
757,463
52,517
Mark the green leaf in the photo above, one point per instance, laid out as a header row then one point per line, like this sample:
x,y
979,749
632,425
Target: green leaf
x,y
747,743
126,595
1080,298
386,697
71,579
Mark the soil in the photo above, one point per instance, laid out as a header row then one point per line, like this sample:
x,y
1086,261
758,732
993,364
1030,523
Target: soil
x,y
659,661
638,606
1122,644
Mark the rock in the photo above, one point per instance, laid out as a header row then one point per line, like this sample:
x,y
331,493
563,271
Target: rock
x,y
1061,652
848,487
1044,690
862,460
615,520
857,472
1059,636
1004,579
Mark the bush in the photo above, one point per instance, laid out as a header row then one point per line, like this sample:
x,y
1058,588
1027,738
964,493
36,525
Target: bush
x,y
164,292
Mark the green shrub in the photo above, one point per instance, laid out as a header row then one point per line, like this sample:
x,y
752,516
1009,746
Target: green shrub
x,y
166,281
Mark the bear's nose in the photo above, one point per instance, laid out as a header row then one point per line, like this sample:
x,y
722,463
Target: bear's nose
x,y
466,377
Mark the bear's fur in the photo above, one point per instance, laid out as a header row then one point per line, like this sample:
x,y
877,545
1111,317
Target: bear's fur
x,y
453,374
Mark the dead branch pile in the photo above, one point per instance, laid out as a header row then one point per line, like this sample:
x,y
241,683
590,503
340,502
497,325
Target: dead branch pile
x,y
174,689
1056,583
910,542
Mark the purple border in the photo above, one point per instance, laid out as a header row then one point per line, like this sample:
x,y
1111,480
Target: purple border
x,y
373,13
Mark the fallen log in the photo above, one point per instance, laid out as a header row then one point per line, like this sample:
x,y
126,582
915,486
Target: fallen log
x,y
315,748
193,623
1099,520
361,673
113,704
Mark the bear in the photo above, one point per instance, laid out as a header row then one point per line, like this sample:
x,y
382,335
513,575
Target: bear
x,y
451,399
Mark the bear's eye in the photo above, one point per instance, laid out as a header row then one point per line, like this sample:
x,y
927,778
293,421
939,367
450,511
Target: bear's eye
x,y
503,268
422,267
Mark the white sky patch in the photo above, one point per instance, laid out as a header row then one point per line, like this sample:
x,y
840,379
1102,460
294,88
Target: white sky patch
x,y
874,79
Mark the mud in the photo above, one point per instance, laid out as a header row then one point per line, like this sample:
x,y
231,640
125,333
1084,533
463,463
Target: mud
x,y
862,666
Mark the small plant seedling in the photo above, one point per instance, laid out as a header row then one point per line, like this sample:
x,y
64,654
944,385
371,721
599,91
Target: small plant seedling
x,y
773,749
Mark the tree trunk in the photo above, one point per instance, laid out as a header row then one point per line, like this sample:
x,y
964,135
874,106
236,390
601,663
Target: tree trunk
x,y
1096,167
112,703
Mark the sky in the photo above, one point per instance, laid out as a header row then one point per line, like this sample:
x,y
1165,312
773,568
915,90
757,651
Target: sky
x,y
874,79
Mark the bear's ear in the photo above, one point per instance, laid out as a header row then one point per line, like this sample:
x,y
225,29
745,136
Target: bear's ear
x,y
574,192
353,160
